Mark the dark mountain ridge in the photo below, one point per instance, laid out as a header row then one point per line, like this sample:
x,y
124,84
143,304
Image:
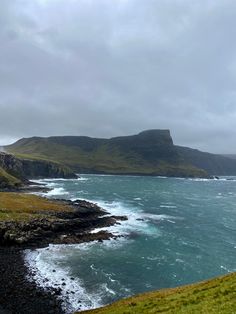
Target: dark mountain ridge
x,y
212,163
151,152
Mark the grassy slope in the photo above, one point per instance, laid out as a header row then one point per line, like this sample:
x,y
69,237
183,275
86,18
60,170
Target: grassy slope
x,y
20,206
213,296
7,180
103,159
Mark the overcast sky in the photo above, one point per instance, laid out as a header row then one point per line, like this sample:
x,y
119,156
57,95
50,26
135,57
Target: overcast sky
x,y
116,67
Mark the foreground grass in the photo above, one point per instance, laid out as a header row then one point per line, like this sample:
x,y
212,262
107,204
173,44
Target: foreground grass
x,y
217,295
20,206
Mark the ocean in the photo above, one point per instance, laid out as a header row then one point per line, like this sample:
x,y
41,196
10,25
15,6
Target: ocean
x,y
179,231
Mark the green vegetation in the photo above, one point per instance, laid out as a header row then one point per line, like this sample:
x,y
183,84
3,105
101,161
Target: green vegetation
x,y
148,153
212,163
216,296
8,181
16,171
22,207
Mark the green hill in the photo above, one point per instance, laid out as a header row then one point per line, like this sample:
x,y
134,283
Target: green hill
x,y
148,153
212,163
215,296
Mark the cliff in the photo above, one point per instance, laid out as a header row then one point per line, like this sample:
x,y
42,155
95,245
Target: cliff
x,y
150,152
8,181
16,171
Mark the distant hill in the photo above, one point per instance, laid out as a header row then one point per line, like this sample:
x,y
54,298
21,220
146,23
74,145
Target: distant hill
x,y
150,152
233,156
214,164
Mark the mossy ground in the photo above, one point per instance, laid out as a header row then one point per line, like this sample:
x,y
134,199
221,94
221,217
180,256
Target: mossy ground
x,y
21,207
217,295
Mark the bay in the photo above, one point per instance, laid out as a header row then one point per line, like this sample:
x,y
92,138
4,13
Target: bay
x,y
179,231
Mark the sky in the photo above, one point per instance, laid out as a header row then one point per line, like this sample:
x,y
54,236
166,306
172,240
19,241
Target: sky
x,y
107,68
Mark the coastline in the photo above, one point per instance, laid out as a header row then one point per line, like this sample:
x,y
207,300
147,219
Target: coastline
x,y
18,294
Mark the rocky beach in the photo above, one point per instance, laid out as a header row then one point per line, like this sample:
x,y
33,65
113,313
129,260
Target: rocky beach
x,y
18,294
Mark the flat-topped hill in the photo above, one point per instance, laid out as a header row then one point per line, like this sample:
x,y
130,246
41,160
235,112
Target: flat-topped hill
x,y
150,152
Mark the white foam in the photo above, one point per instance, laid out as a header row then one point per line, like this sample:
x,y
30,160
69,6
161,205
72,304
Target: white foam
x,y
46,262
82,179
199,179
48,271
56,192
158,217
48,274
138,221
54,179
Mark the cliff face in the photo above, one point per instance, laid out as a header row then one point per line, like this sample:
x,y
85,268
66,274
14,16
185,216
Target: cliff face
x,y
43,169
150,152
24,169
12,165
8,181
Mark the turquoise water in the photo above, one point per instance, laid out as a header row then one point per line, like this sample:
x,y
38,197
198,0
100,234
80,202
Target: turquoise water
x,y
179,231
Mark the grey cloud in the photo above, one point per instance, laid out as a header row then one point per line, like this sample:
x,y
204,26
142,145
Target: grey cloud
x,y
106,68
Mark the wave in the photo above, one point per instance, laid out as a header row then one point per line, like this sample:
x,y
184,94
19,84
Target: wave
x,y
54,179
56,192
48,264
46,272
138,221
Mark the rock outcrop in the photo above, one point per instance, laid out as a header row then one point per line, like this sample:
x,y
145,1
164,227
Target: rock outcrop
x,y
8,182
59,227
24,169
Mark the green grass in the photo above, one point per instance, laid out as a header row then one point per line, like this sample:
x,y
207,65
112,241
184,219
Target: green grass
x,y
103,159
217,295
21,206
7,180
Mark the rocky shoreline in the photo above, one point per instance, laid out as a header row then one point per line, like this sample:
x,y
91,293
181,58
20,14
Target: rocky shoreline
x,y
17,294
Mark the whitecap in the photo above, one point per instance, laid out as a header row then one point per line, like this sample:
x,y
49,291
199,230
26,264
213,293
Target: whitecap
x,y
136,219
82,179
56,192
47,269
168,206
47,274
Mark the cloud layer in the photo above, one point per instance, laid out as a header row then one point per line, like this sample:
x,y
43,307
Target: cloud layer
x,y
105,68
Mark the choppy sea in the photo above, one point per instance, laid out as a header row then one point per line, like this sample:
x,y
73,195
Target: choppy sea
x,y
178,231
